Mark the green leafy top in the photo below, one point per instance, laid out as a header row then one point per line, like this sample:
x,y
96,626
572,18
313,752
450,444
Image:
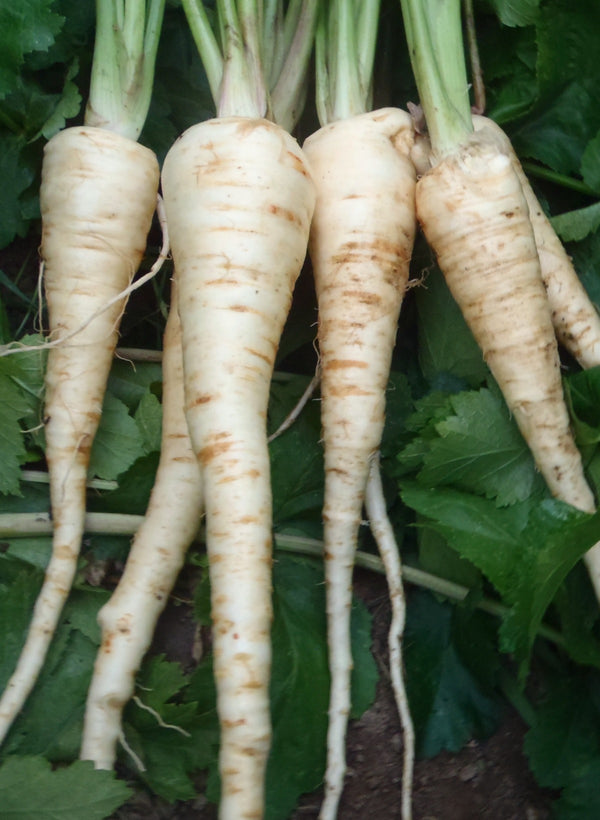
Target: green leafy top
x,y
345,51
257,62
127,33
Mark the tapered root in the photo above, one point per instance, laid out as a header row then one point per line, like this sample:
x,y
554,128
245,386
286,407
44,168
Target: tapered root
x,y
96,213
157,554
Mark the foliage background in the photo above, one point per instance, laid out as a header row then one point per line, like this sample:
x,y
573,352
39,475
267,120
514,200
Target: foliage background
x,y
467,503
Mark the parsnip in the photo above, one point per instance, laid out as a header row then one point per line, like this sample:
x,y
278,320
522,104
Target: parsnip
x,y
360,247
97,198
475,215
239,200
575,318
96,215
157,554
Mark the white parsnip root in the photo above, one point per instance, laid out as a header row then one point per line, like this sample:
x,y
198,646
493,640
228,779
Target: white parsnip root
x,y
575,318
97,197
157,554
239,199
497,282
383,533
360,246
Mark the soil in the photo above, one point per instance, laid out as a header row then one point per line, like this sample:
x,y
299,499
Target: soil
x,y
487,779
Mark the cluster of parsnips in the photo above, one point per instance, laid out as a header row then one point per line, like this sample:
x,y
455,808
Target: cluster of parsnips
x,y
244,206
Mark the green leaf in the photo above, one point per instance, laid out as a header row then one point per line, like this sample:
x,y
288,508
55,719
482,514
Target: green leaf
x,y
66,107
480,448
580,800
590,164
566,117
525,550
516,12
565,736
574,226
24,27
12,448
186,743
17,175
586,258
118,442
130,383
30,790
296,455
448,704
148,417
577,609
300,676
446,345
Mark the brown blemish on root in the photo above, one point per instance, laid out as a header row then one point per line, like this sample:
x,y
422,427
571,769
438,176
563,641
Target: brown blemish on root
x,y
341,364
213,450
204,398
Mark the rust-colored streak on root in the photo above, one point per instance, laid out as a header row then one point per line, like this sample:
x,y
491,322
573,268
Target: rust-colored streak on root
x,y
97,198
486,248
239,229
212,451
361,244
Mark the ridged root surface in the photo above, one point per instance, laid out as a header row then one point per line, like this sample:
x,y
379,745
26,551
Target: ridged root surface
x,y
361,243
239,199
97,196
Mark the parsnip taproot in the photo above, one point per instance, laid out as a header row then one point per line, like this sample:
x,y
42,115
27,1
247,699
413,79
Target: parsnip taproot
x,y
157,554
97,198
95,215
575,318
475,215
360,247
239,199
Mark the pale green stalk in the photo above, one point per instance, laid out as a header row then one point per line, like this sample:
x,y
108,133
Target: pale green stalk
x,y
434,35
345,51
25,525
257,65
127,35
206,43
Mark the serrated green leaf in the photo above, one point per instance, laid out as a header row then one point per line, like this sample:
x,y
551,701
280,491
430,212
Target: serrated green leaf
x,y
63,682
446,345
480,448
565,118
12,447
296,455
580,799
17,174
586,258
525,550
148,418
70,793
566,733
133,492
67,106
118,442
24,27
172,739
573,226
130,383
448,705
